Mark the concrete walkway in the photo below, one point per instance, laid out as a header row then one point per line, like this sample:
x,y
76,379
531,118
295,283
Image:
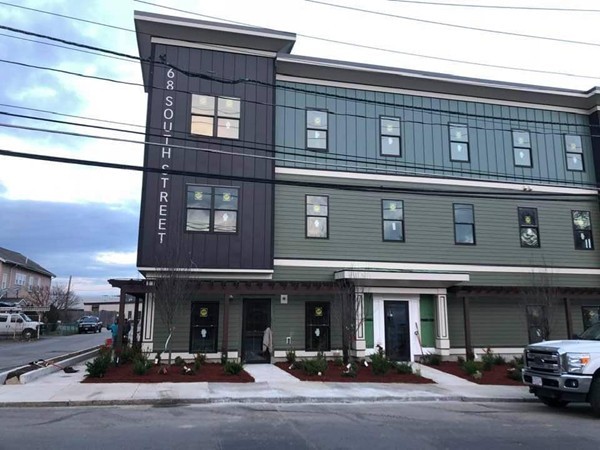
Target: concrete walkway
x,y
272,385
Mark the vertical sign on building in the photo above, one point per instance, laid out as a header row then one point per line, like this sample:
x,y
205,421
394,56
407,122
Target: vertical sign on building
x,y
165,155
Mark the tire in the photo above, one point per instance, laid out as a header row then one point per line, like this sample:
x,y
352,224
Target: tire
x,y
27,334
594,396
553,402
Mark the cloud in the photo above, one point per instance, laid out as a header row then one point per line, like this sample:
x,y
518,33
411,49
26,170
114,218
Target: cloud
x,y
117,258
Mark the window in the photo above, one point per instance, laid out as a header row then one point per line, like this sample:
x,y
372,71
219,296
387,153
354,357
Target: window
x,y
317,326
582,230
20,279
316,130
464,224
212,209
522,148
204,331
528,227
459,142
317,216
574,153
216,116
392,212
537,323
390,136
3,318
591,315
4,280
30,284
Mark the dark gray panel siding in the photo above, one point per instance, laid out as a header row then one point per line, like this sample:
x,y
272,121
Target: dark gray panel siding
x,y
251,246
355,230
354,135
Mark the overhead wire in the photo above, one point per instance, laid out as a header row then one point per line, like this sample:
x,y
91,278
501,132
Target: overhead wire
x,y
484,6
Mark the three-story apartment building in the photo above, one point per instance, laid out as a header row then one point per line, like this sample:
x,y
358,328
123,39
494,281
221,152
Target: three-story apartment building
x,y
456,214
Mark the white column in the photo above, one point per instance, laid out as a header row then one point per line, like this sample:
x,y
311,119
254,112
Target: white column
x,y
359,337
442,340
148,331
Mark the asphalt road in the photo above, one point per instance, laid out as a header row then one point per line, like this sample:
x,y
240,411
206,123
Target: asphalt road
x,y
419,426
15,353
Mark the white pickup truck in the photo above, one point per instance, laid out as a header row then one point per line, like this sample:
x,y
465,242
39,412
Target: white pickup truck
x,y
18,324
561,372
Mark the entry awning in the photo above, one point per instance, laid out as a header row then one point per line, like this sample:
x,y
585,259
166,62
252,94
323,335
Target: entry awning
x,y
402,278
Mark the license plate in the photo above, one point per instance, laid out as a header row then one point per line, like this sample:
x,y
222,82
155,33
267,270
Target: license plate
x,y
536,381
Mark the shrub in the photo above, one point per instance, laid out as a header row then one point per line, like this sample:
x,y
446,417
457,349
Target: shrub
x,y
141,365
351,370
179,361
404,367
314,366
471,367
516,368
223,358
338,361
290,356
129,354
199,360
431,359
380,364
499,360
460,360
98,366
232,367
488,359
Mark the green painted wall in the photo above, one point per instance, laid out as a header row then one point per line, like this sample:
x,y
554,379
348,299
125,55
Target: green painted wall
x,y
426,305
354,133
355,234
369,334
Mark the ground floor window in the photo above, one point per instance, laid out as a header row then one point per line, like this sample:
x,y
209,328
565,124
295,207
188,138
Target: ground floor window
x,y
591,315
317,322
204,327
537,323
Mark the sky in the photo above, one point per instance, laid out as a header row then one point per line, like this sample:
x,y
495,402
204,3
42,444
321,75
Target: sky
x,y
82,221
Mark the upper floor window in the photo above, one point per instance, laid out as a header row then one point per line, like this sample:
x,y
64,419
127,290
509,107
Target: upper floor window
x,y
464,224
390,136
522,148
212,209
459,142
216,116
582,230
574,153
316,129
20,279
317,216
4,281
392,212
528,227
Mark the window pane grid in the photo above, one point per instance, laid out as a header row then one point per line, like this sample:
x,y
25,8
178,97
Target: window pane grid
x,y
212,209
389,130
459,142
392,215
582,230
317,217
215,116
316,129
522,148
464,224
528,228
317,326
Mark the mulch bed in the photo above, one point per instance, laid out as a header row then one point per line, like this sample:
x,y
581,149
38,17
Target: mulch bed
x,y
364,375
498,375
208,372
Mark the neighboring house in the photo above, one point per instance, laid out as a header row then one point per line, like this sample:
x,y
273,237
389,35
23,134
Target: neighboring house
x,y
19,276
107,308
459,213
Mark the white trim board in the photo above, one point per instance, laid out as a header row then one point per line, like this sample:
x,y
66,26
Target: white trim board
x,y
367,87
524,187
358,275
319,263
406,291
240,50
197,270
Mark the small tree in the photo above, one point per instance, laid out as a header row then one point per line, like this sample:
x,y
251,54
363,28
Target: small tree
x,y
542,301
63,299
350,314
173,289
39,296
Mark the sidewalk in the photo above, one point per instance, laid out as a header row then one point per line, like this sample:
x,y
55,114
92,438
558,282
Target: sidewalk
x,y
272,385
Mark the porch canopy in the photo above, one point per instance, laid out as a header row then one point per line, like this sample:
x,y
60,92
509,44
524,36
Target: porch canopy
x,y
401,278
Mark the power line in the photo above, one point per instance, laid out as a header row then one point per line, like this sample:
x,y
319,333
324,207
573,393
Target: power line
x,y
369,47
527,196
453,25
399,169
466,5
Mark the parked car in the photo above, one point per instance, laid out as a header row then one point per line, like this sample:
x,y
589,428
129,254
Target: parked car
x,y
89,323
18,323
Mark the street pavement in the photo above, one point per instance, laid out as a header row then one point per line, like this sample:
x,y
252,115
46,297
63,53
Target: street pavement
x,y
272,385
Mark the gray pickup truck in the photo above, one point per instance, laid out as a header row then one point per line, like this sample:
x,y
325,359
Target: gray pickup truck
x,y
561,372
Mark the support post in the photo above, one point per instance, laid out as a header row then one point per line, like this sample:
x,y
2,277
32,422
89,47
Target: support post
x,y
442,340
121,325
225,340
569,317
467,319
360,345
136,316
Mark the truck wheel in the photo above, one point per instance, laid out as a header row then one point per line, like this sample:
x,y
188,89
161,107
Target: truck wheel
x,y
595,396
553,402
27,334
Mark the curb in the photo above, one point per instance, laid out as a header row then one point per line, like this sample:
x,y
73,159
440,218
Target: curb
x,y
273,400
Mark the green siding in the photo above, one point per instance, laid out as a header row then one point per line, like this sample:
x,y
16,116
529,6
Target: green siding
x,y
355,230
354,134
456,327
426,305
369,334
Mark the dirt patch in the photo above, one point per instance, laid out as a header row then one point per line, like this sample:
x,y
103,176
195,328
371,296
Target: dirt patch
x,y
208,372
499,375
364,375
